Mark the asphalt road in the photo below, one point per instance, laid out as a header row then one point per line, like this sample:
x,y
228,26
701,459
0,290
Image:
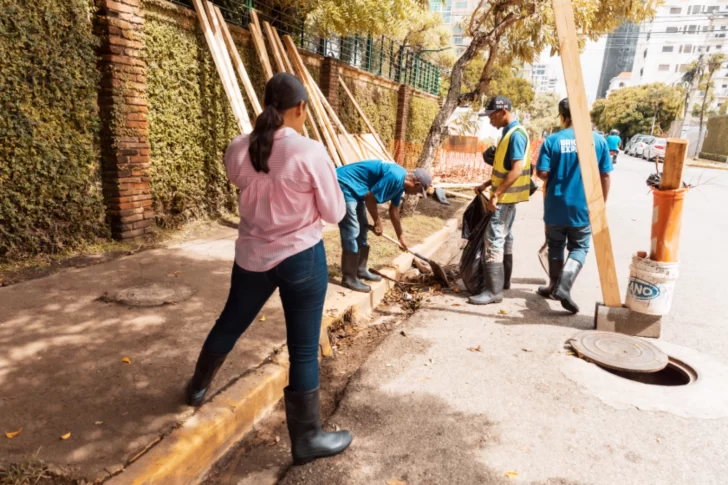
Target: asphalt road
x,y
489,395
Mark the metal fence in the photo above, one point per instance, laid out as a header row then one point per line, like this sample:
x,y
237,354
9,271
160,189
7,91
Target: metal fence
x,y
380,55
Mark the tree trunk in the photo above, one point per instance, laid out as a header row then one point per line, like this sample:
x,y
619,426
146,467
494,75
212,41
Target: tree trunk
x,y
439,125
699,145
685,110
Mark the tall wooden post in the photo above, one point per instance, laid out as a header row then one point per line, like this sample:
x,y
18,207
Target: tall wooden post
x,y
569,51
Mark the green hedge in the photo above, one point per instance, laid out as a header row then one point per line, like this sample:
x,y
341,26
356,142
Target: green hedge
x,y
378,103
716,141
50,192
422,110
714,157
190,119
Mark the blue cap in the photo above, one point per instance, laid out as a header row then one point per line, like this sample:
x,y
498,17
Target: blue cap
x,y
424,178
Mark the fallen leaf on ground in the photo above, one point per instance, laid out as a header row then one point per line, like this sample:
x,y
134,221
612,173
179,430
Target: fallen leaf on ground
x,y
11,435
126,360
66,436
98,423
511,474
502,312
262,319
456,290
402,333
396,482
174,274
527,350
474,349
455,304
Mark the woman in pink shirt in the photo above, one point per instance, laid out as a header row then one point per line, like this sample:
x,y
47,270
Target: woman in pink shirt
x,y
287,187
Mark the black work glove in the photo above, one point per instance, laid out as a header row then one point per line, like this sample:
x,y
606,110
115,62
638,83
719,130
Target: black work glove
x,y
489,156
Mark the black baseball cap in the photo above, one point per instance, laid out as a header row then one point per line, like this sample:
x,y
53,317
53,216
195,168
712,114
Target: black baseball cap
x,y
497,103
564,109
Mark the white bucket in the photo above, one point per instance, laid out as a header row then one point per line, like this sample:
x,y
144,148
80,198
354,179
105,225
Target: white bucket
x,y
651,286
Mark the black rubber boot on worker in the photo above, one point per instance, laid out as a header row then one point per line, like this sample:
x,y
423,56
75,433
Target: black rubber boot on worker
x,y
507,271
555,267
308,440
363,271
349,269
205,370
562,291
493,277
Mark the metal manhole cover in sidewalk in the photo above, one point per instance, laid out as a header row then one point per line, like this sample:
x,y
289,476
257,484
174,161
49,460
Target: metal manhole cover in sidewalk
x,y
154,294
618,351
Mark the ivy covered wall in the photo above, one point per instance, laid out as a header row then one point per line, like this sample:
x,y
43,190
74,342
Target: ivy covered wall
x,y
379,103
422,110
50,192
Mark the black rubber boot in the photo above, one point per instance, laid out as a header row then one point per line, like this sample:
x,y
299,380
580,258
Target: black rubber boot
x,y
562,291
554,272
363,271
308,440
493,275
349,268
205,370
507,271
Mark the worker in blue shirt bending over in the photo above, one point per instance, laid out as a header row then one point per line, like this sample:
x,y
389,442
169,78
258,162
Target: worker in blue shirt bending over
x,y
510,185
613,142
565,208
366,184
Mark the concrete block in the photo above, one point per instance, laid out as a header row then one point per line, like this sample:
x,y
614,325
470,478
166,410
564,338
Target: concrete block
x,y
625,321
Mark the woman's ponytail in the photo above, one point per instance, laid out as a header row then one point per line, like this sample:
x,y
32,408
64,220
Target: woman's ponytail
x,y
261,139
283,92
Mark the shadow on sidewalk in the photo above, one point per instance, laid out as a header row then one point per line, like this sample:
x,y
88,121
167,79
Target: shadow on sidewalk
x,y
61,368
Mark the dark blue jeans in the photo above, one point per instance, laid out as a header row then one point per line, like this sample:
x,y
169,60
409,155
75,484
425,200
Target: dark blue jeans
x,y
575,239
353,227
302,280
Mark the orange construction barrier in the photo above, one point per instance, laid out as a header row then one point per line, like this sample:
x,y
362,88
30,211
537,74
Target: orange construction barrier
x,y
666,224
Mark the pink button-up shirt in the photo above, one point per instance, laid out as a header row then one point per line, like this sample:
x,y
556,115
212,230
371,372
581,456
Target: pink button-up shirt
x,y
281,211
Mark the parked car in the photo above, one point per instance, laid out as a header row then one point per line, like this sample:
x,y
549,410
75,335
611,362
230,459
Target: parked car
x,y
632,145
642,143
656,150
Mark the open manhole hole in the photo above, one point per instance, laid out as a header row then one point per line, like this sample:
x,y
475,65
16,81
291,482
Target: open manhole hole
x,y
632,358
676,373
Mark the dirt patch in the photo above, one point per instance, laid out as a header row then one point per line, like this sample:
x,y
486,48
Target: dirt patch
x,y
33,471
266,451
429,218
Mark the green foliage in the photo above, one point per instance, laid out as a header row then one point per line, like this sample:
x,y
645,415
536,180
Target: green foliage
x,y
505,83
716,141
631,110
334,17
714,157
378,103
543,111
190,119
50,194
422,110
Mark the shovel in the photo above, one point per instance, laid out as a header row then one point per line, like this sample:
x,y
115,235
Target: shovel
x,y
436,268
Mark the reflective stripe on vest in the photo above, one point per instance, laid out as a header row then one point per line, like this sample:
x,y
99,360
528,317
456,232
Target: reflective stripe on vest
x,y
520,190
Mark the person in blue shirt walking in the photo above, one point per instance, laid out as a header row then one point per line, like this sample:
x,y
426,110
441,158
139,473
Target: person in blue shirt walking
x,y
366,184
614,142
566,213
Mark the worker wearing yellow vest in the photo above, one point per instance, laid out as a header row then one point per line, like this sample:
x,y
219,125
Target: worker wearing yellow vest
x,y
510,184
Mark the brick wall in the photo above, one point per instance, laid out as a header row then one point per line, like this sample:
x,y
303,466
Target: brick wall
x,y
123,112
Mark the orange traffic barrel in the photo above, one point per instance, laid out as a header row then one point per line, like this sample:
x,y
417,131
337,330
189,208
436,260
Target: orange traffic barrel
x,y
666,223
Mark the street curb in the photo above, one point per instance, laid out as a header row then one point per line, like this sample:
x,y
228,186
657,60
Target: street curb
x,y
705,165
186,455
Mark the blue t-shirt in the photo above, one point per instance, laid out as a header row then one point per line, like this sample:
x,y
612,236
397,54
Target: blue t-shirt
x,y
613,142
565,202
516,146
384,179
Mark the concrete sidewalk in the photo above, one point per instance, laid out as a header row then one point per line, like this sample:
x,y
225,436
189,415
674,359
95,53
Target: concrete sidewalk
x,y
63,368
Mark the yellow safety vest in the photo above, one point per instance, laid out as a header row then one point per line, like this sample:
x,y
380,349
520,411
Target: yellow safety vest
x,y
520,190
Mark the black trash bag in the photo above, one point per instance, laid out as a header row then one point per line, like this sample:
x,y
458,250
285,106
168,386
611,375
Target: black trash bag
x,y
471,261
474,214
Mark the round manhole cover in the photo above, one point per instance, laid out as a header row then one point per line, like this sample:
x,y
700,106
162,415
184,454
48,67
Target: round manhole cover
x,y
618,351
154,294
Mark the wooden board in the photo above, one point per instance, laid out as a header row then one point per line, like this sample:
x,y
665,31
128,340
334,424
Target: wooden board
x,y
329,135
672,168
219,65
238,62
370,148
569,52
259,45
364,118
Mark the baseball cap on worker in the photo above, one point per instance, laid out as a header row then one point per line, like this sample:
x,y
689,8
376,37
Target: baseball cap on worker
x,y
564,109
497,103
424,178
